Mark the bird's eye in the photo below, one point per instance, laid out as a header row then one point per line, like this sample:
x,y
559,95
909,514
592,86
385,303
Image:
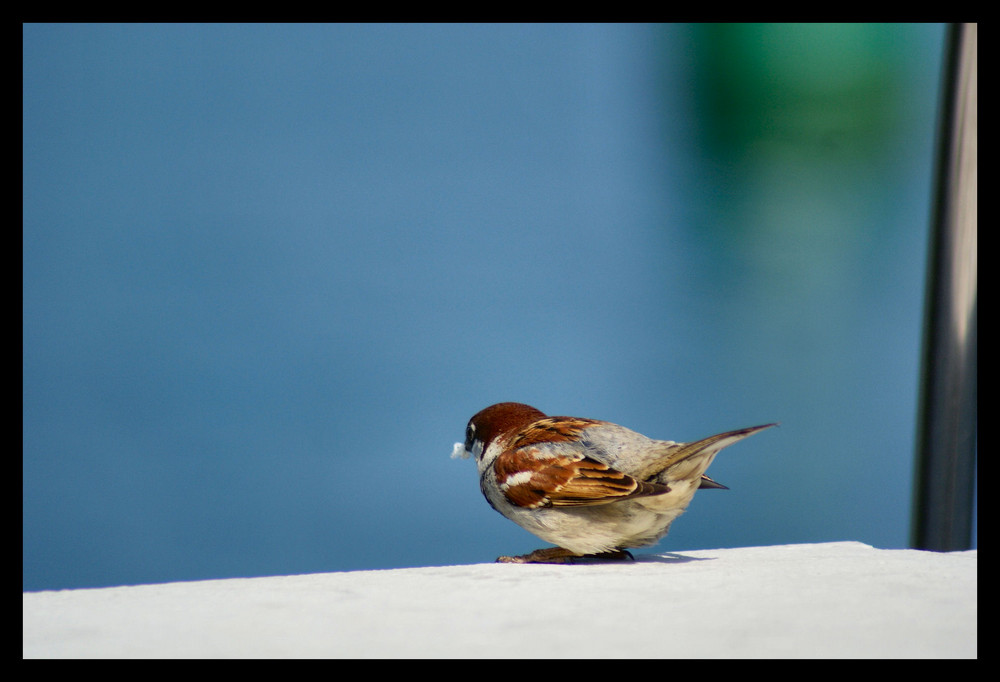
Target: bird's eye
x,y
470,435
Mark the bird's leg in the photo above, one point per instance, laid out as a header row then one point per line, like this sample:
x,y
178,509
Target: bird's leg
x,y
558,555
549,555
614,555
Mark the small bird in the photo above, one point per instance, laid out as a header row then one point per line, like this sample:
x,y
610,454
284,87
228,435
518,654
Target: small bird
x,y
590,487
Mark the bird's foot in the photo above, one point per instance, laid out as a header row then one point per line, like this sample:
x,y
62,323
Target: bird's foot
x,y
558,555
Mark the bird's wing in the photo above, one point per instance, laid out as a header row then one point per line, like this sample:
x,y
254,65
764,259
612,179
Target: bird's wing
x,y
532,476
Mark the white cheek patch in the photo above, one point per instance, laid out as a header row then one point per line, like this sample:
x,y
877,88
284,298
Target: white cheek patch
x,y
459,451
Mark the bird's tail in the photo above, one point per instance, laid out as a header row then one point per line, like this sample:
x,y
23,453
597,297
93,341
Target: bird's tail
x,y
690,460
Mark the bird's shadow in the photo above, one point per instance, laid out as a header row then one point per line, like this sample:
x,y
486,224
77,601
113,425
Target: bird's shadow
x,y
669,558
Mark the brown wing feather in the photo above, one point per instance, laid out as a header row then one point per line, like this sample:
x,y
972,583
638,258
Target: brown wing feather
x,y
528,480
551,430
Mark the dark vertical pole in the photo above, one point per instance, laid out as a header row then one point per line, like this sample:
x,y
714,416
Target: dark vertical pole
x,y
947,429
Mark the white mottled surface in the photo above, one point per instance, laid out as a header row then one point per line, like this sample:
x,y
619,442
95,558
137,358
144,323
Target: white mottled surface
x,y
842,599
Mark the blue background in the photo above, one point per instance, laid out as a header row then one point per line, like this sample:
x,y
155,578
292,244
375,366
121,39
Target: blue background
x,y
270,271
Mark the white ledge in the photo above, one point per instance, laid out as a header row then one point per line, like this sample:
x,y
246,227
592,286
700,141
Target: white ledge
x,y
841,599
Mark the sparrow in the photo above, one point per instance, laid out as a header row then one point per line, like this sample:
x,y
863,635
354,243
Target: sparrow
x,y
590,487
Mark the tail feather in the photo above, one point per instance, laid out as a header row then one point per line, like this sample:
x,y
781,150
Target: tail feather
x,y
690,460
710,484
